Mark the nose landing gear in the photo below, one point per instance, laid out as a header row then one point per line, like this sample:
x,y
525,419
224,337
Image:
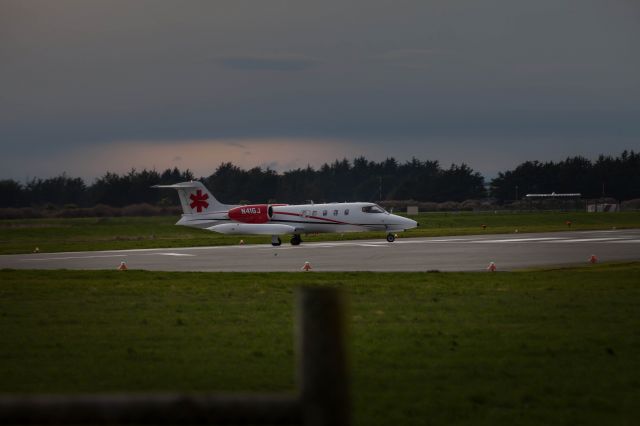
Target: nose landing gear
x,y
391,238
275,241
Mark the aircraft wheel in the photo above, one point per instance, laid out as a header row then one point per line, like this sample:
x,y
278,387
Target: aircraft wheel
x,y
391,238
276,241
296,240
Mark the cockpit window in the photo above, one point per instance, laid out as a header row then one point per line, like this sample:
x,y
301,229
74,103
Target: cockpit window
x,y
373,209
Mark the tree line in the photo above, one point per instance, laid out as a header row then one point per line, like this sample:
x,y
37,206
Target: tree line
x,y
111,189
342,180
613,177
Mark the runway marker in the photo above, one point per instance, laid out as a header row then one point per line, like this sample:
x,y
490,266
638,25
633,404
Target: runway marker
x,y
71,257
445,240
518,240
589,240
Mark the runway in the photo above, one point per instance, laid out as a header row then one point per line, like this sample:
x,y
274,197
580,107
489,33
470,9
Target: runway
x,y
467,253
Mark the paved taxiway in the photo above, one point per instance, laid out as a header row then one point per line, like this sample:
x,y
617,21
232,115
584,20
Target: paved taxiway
x,y
468,253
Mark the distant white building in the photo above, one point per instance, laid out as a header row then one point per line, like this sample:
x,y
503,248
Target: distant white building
x,y
602,208
411,210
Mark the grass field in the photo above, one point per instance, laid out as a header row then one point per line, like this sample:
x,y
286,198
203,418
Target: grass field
x,y
55,235
531,347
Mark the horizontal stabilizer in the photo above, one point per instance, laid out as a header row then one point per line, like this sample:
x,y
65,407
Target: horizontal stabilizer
x,y
194,184
253,228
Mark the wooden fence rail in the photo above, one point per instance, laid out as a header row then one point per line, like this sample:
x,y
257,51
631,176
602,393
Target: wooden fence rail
x,y
322,397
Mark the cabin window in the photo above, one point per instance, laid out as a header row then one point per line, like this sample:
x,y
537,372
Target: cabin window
x,y
315,213
346,212
335,212
324,212
305,213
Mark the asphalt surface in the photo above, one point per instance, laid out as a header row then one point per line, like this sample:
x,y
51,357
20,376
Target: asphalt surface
x,y
468,253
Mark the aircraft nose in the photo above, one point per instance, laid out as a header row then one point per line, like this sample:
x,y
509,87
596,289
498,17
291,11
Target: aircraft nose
x,y
410,223
402,222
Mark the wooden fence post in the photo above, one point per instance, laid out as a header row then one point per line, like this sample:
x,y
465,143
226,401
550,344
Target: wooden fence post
x,y
322,398
322,362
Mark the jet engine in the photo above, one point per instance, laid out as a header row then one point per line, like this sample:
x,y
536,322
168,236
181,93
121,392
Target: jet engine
x,y
254,213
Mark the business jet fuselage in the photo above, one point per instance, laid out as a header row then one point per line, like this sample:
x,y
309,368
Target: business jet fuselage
x,y
202,210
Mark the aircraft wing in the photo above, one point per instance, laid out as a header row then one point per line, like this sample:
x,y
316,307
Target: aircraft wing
x,y
253,228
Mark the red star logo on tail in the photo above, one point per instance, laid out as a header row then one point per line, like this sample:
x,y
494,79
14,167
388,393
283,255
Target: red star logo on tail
x,y
199,201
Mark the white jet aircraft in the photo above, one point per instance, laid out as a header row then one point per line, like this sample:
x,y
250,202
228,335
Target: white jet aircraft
x,y
202,210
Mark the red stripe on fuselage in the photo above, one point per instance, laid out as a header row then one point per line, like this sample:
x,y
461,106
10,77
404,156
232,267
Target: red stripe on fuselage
x,y
313,217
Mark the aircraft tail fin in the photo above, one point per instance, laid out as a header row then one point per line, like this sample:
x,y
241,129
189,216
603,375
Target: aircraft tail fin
x,y
195,198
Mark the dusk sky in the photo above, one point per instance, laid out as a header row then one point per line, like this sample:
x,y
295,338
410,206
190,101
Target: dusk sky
x,y
91,86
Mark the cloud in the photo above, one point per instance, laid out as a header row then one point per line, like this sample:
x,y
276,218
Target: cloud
x,y
268,62
200,156
413,58
236,144
410,53
398,81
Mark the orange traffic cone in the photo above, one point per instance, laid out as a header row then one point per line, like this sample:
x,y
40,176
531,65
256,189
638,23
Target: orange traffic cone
x,y
491,267
593,259
122,267
306,266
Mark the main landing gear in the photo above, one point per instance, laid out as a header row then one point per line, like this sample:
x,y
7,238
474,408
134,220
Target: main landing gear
x,y
391,238
296,240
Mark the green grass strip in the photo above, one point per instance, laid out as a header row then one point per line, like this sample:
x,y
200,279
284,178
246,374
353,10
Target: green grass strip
x,y
532,347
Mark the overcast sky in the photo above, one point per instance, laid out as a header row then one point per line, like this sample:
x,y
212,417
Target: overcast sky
x,y
90,86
